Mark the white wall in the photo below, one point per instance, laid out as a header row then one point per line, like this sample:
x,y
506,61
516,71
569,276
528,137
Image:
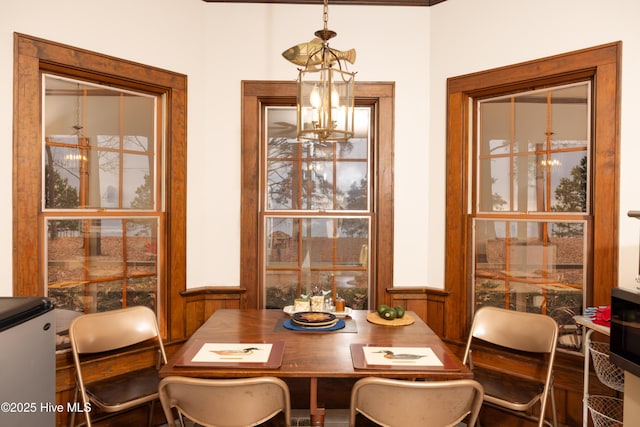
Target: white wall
x,y
219,44
246,43
493,33
164,33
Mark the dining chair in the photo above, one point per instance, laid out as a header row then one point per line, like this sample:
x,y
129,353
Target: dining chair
x,y
238,402
403,403
528,334
110,332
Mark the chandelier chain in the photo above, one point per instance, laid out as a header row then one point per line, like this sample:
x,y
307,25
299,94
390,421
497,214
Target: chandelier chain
x,y
325,14
78,125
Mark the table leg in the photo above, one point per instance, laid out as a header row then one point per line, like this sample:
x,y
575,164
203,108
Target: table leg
x,y
316,414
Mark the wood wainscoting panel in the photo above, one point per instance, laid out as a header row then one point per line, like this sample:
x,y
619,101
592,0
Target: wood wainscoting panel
x,y
427,303
201,303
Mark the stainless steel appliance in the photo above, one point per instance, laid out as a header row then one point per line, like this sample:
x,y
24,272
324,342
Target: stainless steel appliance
x,y
27,362
624,348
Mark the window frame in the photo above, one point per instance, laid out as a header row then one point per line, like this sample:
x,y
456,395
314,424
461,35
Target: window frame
x,y
602,64
34,56
255,94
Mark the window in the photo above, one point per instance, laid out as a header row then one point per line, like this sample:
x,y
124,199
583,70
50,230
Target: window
x,y
111,164
532,166
317,212
101,170
314,215
530,217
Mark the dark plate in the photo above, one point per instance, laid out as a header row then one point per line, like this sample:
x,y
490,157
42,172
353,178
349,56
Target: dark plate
x,y
313,318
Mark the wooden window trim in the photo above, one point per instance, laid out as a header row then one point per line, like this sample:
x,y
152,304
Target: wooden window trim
x,y
603,65
254,94
32,56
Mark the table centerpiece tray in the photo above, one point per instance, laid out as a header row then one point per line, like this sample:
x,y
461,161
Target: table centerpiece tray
x,y
405,320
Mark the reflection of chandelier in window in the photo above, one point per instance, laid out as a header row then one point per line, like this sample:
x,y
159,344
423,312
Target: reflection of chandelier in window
x,y
74,158
78,125
550,162
77,157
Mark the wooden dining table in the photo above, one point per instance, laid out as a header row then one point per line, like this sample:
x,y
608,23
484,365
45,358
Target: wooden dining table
x,y
313,353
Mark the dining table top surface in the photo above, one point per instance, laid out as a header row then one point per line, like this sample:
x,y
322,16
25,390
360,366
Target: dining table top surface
x,y
313,353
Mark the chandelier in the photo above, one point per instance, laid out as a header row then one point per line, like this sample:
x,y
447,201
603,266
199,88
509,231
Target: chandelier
x,y
325,98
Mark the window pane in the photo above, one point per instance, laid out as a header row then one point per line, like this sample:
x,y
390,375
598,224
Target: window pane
x,y
354,148
137,143
86,266
569,182
63,167
107,180
281,181
532,151
570,117
280,124
352,286
311,175
142,291
99,141
282,288
138,123
142,246
535,184
317,186
352,185
65,252
533,266
320,150
530,122
105,241
494,184
495,132
136,182
282,242
304,255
